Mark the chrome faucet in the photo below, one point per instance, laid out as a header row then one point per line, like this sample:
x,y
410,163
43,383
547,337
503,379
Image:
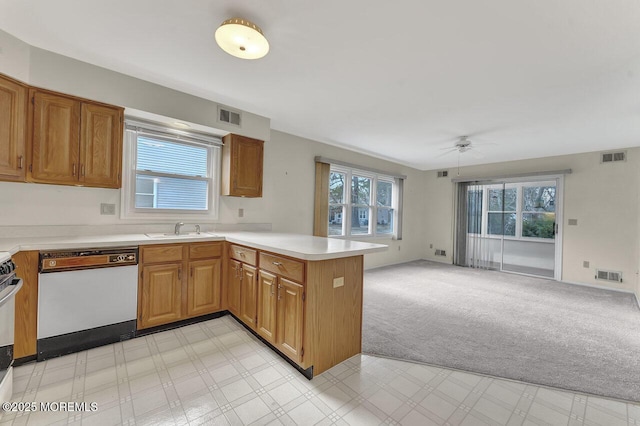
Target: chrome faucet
x,y
178,226
198,229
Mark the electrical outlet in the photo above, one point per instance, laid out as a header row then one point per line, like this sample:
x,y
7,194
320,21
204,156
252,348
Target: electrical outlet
x,y
573,222
585,264
430,245
338,282
107,209
240,212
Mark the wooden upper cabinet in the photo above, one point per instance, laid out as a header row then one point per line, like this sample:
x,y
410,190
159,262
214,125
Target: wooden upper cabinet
x,y
55,138
242,164
101,146
13,120
74,141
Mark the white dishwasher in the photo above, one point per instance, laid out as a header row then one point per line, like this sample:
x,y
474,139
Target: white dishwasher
x,y
86,298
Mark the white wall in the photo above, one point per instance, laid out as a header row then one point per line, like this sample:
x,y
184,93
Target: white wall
x,y
14,57
602,197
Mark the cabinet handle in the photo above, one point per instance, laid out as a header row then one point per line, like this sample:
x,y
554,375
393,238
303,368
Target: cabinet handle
x,y
179,274
192,271
82,170
73,172
20,158
242,254
277,263
279,287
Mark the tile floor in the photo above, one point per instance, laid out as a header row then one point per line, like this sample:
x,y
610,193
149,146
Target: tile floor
x,y
216,373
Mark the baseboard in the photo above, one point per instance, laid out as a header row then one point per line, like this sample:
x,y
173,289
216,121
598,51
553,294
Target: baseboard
x,y
439,260
602,287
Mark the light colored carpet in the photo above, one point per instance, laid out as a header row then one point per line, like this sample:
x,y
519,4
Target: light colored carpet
x,y
531,329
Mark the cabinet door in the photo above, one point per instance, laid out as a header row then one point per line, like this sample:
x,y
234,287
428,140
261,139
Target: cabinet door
x,y
100,146
290,319
203,295
161,290
13,120
248,296
245,157
266,325
55,139
234,281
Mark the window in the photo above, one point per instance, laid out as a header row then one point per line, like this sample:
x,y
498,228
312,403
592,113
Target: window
x,y
516,210
539,211
501,214
169,172
361,203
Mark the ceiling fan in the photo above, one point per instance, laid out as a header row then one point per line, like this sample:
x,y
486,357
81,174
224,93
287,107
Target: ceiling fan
x,y
463,144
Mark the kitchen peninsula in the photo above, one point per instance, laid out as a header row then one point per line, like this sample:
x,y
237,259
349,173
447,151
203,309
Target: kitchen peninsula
x,y
301,295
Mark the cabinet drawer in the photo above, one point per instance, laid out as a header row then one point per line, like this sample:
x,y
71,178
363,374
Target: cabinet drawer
x,y
204,250
287,268
242,254
161,253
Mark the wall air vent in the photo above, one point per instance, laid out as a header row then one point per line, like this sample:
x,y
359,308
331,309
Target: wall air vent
x,y
616,276
612,157
441,252
443,173
228,116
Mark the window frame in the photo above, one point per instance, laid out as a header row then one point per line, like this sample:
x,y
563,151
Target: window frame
x,y
347,203
519,211
213,145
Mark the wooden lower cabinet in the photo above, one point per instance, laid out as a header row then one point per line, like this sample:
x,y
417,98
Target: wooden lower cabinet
x,y
249,295
234,282
26,305
161,295
290,314
203,290
280,313
310,311
267,300
178,281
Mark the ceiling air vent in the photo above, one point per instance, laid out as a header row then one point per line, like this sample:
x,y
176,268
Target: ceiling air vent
x,y
230,117
601,274
443,173
612,157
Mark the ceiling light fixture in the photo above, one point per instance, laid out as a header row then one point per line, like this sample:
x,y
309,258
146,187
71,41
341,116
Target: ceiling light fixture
x,y
242,39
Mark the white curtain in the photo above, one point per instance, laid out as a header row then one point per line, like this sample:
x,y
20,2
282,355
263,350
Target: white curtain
x,y
473,248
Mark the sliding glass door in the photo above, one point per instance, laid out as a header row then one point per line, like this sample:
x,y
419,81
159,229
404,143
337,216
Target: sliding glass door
x,y
509,226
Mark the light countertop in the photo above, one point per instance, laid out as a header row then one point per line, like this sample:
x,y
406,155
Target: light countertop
x,y
300,246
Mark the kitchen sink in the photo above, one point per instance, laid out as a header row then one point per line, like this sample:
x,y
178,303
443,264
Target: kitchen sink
x,y
181,235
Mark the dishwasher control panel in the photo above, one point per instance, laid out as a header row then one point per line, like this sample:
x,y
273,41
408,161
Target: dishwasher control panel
x,y
66,260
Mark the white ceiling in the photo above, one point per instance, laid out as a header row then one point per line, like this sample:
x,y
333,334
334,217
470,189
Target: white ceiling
x,y
399,80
